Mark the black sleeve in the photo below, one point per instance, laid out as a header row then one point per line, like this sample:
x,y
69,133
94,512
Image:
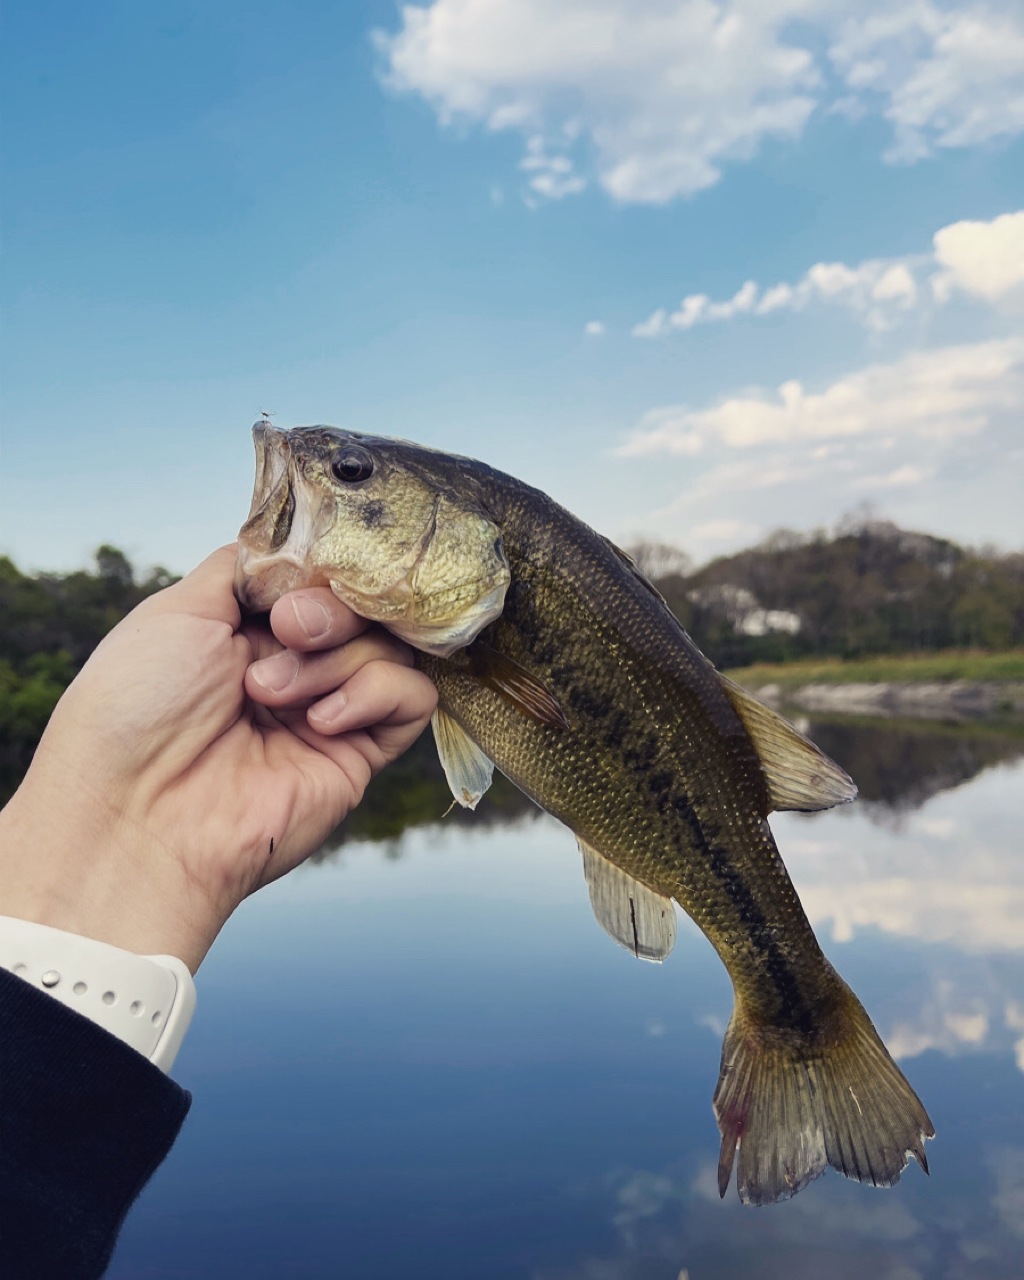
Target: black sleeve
x,y
84,1122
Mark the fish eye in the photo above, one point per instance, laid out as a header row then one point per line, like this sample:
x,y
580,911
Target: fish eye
x,y
352,464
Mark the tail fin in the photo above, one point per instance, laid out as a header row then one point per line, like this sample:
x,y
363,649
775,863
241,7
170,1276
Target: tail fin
x,y
791,1109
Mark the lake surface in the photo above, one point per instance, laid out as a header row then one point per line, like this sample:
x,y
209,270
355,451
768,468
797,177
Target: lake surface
x,y
423,1058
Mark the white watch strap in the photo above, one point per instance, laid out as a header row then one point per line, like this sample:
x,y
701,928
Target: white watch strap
x,y
146,1001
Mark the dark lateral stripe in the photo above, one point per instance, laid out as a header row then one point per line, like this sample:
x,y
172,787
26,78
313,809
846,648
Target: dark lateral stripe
x,y
776,964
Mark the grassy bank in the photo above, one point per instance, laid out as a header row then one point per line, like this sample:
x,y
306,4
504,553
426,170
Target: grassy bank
x,y
945,665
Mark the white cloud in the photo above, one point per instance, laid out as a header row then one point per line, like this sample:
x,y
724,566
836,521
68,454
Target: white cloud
x,y
932,395
933,437
950,77
663,93
983,259
594,328
1007,1167
896,285
666,430
780,295
875,291
967,892
742,301
694,309
971,916
659,94
690,311
552,175
960,1015
654,326
645,1195
1014,1015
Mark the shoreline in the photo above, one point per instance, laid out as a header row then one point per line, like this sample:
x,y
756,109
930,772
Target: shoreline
x,y
957,700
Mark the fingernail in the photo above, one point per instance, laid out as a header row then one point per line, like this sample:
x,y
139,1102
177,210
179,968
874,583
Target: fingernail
x,y
311,616
276,673
328,711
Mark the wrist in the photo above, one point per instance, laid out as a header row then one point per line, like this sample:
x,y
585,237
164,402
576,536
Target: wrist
x,y
80,871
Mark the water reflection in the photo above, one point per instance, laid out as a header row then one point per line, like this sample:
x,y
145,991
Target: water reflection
x,y
673,1225
949,867
439,1066
413,792
910,859
898,766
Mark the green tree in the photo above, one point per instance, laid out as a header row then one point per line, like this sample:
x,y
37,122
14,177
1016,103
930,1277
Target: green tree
x,y
49,624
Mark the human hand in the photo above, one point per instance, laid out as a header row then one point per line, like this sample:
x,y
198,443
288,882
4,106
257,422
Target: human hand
x,y
196,757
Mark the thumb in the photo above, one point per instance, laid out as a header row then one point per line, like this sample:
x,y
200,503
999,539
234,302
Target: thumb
x,y
206,592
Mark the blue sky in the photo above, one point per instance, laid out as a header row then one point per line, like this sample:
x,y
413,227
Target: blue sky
x,y
699,271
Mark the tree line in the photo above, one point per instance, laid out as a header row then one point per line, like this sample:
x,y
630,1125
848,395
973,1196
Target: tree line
x,y
866,587
49,624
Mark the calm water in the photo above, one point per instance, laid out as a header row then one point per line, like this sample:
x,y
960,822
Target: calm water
x,y
425,1059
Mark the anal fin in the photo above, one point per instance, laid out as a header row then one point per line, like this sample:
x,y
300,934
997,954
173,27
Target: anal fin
x,y
639,919
468,770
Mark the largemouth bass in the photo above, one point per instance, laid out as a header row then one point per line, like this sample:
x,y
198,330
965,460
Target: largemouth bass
x,y
557,661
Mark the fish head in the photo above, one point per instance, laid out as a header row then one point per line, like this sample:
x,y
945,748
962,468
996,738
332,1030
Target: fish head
x,y
396,533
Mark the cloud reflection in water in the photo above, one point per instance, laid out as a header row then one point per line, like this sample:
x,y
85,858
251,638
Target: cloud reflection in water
x,y
443,1040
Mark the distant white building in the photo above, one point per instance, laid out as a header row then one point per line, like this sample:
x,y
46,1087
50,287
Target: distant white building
x,y
742,609
759,622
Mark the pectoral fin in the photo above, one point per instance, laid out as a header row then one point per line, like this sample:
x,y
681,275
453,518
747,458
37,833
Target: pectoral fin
x,y
467,769
800,776
516,685
637,918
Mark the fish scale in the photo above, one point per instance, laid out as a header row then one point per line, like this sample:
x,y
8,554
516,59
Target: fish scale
x,y
555,660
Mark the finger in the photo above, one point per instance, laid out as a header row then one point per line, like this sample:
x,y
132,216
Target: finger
x,y
206,592
314,618
288,678
378,694
338,766
357,753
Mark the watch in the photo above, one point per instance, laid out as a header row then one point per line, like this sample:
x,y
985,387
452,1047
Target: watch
x,y
146,1001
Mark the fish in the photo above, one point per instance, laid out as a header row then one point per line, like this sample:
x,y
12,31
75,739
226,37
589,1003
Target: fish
x,y
559,663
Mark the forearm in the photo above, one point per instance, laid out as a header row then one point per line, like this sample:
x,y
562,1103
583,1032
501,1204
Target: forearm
x,y
84,1123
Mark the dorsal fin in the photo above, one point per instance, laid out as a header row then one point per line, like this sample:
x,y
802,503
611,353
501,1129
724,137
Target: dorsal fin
x,y
639,919
468,770
799,774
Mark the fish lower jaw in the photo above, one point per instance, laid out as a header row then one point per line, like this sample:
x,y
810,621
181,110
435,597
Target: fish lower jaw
x,y
260,581
441,633
400,613
439,640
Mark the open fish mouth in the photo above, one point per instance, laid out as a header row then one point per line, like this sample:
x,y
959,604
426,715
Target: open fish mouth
x,y
275,542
